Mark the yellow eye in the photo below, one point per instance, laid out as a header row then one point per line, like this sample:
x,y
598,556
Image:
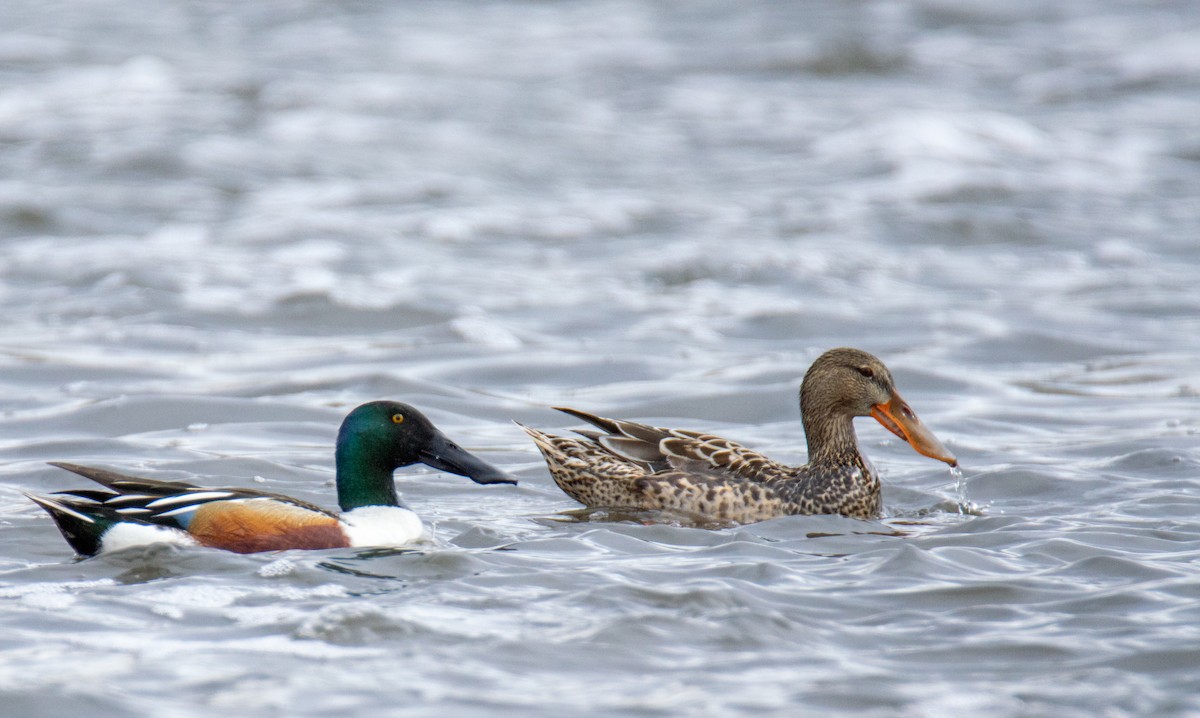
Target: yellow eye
x,y
397,418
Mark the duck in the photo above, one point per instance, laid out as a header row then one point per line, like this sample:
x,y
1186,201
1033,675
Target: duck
x,y
373,441
627,465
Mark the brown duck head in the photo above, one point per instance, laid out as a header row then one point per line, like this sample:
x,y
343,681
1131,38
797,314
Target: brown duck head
x,y
844,383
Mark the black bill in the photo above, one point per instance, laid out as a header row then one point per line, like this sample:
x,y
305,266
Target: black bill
x,y
445,455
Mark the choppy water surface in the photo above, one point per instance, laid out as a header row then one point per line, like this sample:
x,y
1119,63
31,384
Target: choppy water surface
x,y
225,224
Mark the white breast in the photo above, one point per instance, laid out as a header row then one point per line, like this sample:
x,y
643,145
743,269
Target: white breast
x,y
382,526
128,535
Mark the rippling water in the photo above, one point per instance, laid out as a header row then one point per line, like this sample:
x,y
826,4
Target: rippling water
x,y
224,224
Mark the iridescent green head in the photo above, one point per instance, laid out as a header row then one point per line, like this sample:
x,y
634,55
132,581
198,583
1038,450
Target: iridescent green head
x,y
381,436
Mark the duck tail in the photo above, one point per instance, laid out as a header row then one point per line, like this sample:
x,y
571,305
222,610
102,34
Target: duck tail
x,y
543,441
82,523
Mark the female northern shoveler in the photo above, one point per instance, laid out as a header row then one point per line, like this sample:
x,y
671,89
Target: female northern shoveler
x,y
375,439
636,466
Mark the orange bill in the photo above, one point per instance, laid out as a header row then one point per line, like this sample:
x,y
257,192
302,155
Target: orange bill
x,y
898,418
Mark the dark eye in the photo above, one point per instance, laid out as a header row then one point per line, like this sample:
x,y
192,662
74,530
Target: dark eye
x,y
398,418
867,372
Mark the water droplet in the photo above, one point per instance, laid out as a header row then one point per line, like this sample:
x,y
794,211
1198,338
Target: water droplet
x,y
965,505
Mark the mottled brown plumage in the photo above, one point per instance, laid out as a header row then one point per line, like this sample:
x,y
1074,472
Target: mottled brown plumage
x,y
636,466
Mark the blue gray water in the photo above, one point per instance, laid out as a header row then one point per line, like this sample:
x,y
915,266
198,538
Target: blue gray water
x,y
224,224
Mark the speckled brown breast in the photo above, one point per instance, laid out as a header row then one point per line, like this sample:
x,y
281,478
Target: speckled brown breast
x,y
597,478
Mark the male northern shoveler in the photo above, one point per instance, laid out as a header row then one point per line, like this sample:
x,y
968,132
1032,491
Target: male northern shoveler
x,y
636,466
374,440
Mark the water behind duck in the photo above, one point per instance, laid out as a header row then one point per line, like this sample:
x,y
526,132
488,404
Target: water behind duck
x,y
223,228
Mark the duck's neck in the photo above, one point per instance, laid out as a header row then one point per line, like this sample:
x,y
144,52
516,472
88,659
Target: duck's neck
x,y
831,440
364,476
